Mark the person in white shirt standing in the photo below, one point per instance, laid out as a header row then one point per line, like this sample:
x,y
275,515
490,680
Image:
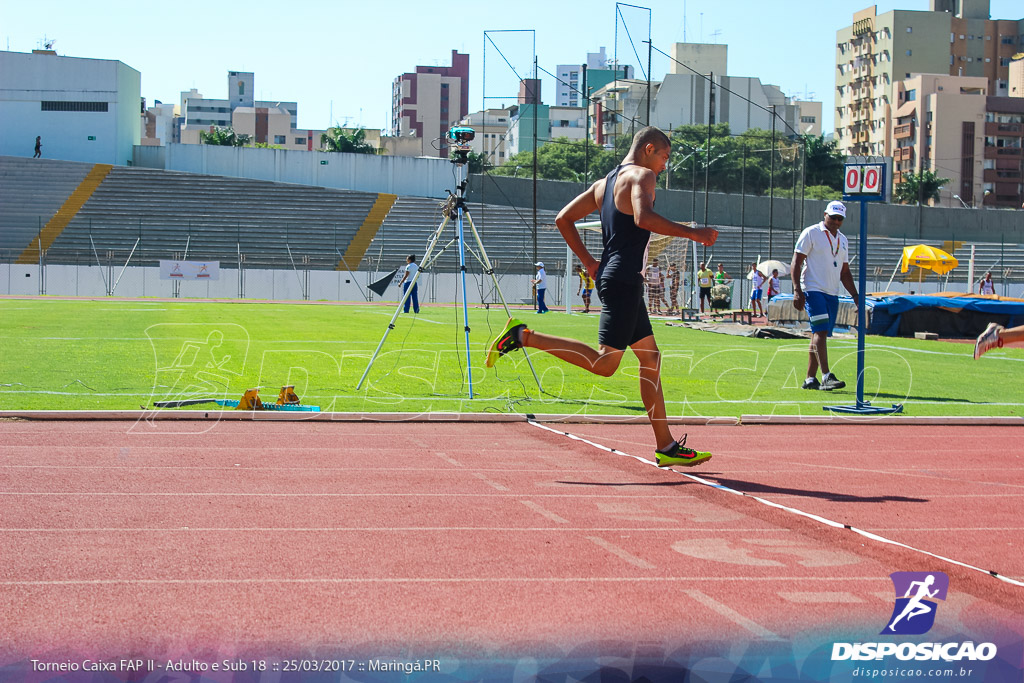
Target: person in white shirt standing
x,y
821,264
542,286
986,286
407,277
755,294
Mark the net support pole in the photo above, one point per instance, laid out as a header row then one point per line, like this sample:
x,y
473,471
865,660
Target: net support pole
x,y
568,274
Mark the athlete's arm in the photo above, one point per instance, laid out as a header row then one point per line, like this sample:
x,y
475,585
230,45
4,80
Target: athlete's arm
x,y
846,277
642,198
578,209
795,269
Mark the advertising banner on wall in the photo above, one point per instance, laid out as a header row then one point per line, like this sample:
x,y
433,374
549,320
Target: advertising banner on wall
x,y
189,270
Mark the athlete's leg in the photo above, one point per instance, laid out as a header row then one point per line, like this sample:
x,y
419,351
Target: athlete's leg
x,y
603,360
651,393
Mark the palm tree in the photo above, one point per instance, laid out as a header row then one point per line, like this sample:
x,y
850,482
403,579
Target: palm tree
x,y
918,188
224,136
337,140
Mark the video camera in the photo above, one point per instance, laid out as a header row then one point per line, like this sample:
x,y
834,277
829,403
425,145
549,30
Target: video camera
x,y
461,135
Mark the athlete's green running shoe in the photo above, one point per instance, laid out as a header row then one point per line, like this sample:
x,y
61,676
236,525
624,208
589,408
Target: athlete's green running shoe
x,y
679,454
507,341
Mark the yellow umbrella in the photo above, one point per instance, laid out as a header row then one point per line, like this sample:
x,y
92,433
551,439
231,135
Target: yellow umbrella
x,y
931,258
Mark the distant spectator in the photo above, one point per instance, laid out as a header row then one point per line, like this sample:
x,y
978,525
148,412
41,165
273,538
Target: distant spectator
x,y
774,285
721,277
39,147
586,288
674,276
655,286
985,285
705,279
757,277
541,280
410,273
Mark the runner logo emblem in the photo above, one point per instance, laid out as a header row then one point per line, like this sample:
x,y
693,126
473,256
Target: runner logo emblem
x,y
916,601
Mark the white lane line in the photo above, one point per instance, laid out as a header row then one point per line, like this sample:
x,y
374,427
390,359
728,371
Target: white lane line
x,y
822,598
493,484
674,529
451,461
732,615
439,579
545,513
792,510
620,553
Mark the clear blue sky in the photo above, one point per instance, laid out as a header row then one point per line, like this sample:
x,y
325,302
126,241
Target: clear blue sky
x,y
338,59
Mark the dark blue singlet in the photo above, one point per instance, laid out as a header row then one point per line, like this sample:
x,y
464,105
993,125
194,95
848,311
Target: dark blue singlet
x,y
625,245
620,283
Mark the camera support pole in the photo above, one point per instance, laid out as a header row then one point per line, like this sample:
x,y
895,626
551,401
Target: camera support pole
x,y
454,209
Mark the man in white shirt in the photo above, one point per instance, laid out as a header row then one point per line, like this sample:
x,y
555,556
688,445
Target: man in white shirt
x,y
826,254
542,286
757,278
407,277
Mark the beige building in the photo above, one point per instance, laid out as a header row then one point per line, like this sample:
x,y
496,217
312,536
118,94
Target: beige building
x,y
1016,85
703,58
491,127
810,116
427,102
939,126
265,125
954,37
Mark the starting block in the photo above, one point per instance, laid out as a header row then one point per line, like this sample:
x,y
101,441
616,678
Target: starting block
x,y
287,400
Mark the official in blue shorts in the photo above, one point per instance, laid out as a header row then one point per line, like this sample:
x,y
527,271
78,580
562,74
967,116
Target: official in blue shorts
x,y
821,265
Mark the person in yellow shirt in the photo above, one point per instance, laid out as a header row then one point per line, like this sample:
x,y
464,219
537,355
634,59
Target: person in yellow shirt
x,y
586,287
705,280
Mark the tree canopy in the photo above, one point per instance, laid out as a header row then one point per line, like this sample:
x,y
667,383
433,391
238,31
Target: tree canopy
x,y
918,188
224,136
562,159
337,139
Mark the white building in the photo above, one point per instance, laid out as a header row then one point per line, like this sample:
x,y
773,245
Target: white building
x,y
160,125
569,85
82,109
491,140
200,112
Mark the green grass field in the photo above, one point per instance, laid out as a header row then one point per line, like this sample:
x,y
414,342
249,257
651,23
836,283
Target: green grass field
x,y
111,354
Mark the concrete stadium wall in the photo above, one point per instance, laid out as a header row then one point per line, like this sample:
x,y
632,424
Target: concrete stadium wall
x,y
260,284
925,224
409,176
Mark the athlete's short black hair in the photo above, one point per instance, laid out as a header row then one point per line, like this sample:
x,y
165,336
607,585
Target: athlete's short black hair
x,y
650,135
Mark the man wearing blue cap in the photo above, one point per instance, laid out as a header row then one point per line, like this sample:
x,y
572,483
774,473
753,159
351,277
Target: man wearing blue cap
x,y
821,264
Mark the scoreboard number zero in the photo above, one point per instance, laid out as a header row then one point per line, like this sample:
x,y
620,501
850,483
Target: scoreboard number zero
x,y
863,179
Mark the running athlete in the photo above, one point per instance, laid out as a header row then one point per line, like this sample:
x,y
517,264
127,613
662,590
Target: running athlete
x,y
625,200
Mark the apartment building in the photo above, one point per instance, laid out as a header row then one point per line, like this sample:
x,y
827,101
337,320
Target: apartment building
x,y
874,53
1003,165
491,140
202,113
939,126
428,102
686,99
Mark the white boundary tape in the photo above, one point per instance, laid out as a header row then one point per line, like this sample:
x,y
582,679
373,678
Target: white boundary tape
x,y
302,416
801,513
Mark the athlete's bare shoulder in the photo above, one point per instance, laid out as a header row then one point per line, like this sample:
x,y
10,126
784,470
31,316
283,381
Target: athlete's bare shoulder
x,y
631,177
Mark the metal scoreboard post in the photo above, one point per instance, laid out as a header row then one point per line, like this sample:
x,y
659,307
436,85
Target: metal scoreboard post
x,y
865,179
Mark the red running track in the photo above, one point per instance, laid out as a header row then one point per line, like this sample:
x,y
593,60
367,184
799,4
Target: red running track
x,y
277,537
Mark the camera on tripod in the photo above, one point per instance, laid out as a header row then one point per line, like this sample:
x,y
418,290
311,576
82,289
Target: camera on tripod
x,y
461,135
